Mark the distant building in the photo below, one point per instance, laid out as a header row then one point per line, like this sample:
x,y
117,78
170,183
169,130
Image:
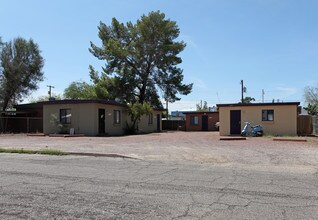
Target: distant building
x,y
201,121
177,115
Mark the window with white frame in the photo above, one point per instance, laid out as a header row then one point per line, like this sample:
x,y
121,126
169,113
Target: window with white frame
x,y
116,117
65,116
194,120
268,115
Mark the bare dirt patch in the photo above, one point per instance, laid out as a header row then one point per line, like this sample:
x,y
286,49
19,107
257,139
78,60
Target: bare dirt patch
x,y
202,147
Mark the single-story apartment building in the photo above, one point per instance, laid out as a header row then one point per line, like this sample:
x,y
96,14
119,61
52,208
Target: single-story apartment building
x,y
201,121
276,118
93,117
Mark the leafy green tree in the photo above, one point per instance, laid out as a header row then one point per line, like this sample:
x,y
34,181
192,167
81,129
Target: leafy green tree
x,y
311,98
141,59
110,88
136,110
80,90
202,107
248,99
45,98
312,109
20,71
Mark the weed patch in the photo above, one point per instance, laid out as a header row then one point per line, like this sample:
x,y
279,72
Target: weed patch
x,y
26,151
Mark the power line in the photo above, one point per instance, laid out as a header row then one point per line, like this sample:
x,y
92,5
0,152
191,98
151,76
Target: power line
x,y
217,95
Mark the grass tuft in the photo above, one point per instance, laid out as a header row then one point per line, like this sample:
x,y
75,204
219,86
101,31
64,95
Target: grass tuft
x,y
26,151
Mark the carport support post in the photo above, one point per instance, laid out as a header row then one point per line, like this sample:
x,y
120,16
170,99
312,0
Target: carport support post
x,y
28,124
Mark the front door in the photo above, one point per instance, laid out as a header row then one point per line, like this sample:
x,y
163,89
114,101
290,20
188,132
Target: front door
x,y
101,121
205,125
235,121
158,122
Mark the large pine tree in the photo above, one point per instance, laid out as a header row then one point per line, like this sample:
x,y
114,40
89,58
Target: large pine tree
x,y
141,60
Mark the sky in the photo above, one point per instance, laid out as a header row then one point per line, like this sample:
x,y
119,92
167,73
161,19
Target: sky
x,y
272,45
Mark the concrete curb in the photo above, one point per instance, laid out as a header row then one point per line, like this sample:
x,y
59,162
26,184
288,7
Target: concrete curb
x,y
101,155
36,135
289,139
232,138
66,135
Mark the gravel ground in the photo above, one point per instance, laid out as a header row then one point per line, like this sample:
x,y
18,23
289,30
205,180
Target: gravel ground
x,y
202,147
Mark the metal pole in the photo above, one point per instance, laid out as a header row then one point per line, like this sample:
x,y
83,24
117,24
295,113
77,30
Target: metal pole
x,y
242,90
50,91
167,109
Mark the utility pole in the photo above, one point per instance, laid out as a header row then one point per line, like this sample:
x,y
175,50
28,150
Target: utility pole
x,y
263,93
242,90
167,109
50,91
217,95
167,103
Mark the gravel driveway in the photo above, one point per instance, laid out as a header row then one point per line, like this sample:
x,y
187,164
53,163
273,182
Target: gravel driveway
x,y
202,147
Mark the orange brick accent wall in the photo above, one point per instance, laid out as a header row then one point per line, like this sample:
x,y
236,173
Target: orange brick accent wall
x,y
213,117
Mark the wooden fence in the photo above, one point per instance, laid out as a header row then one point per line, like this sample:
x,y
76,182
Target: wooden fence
x,y
173,125
305,125
315,125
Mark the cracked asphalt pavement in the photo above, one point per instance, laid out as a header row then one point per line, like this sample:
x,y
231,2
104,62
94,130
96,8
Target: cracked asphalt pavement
x,y
174,176
80,187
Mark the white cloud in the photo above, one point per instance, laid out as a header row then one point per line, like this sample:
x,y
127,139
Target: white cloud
x,y
287,91
199,84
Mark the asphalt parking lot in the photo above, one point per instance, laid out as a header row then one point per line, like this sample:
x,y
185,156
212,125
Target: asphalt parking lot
x,y
201,147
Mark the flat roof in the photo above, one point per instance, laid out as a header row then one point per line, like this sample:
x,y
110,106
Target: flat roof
x,y
258,104
198,112
81,101
28,105
75,101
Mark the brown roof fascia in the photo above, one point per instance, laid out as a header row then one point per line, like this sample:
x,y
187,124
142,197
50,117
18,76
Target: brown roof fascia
x,y
196,112
258,104
28,105
82,101
75,101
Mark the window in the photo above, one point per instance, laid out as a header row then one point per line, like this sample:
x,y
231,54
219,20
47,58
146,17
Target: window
x,y
116,117
150,119
267,115
194,120
65,116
